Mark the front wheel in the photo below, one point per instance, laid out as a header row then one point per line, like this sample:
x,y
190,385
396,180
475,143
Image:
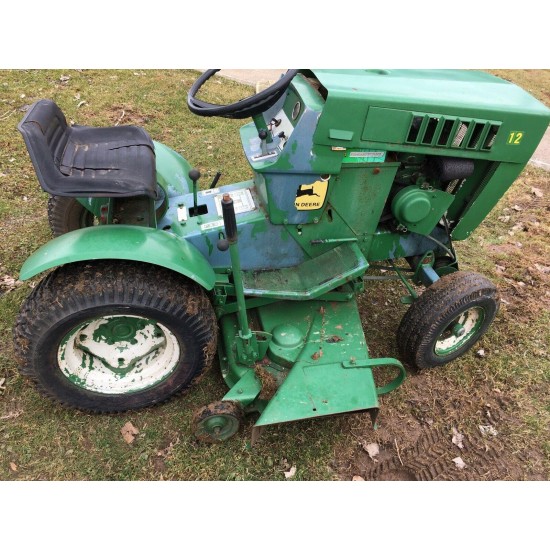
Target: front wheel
x,y
447,319
114,336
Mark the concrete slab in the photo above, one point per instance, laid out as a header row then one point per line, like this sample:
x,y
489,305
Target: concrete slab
x,y
252,76
541,158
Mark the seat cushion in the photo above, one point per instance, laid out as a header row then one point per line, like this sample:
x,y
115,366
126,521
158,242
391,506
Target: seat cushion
x,y
85,161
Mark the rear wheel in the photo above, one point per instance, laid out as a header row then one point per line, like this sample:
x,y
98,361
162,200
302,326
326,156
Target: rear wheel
x,y
67,214
447,319
114,336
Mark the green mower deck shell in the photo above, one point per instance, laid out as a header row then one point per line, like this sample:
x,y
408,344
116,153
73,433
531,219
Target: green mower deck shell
x,y
317,363
121,242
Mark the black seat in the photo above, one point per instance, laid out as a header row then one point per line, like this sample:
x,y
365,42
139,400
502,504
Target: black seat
x,y
81,161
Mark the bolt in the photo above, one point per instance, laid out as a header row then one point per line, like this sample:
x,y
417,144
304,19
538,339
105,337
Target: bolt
x,y
458,330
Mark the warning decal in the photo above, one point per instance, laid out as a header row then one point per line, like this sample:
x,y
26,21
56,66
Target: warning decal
x,y
311,196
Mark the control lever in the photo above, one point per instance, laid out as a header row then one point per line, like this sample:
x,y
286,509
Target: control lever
x,y
230,241
194,176
215,180
262,134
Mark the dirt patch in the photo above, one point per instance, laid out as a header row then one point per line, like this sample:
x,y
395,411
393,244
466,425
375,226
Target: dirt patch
x,y
521,259
124,115
416,447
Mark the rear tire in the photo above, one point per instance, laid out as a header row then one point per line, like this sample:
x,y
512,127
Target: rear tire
x,y
66,214
447,319
111,336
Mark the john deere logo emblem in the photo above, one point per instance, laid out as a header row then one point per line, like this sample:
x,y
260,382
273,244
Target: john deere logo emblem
x,y
311,196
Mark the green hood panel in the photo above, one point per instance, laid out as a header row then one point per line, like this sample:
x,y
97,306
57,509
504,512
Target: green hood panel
x,y
122,242
377,108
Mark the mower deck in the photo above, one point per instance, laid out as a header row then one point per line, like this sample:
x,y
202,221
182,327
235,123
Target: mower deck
x,y
316,365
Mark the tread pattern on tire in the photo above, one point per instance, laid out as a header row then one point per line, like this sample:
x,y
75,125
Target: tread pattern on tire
x,y
74,287
65,215
446,297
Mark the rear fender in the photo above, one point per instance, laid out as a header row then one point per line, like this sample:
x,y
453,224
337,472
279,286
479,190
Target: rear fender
x,y
122,242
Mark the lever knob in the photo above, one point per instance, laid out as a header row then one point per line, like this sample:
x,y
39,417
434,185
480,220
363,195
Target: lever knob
x,y
194,175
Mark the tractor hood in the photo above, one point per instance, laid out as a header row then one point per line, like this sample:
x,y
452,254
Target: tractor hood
x,y
365,107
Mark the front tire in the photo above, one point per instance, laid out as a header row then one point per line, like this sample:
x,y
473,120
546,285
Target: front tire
x,y
447,319
114,336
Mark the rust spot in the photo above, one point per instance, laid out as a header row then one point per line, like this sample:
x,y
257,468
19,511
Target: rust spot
x,y
317,355
333,339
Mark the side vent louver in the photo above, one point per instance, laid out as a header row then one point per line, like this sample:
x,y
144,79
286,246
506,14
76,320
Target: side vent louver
x,y
452,132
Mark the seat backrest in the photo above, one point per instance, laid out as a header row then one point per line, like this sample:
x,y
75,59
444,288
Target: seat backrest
x,y
45,131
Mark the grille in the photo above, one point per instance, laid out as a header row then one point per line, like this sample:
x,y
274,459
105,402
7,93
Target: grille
x,y
452,132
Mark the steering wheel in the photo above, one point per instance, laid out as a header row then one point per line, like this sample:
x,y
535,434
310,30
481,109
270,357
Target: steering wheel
x,y
244,108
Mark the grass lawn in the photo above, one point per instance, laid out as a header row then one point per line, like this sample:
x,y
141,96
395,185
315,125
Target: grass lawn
x,y
40,440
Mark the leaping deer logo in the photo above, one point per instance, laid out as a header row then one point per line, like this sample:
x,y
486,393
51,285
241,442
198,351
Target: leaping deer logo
x,y
306,191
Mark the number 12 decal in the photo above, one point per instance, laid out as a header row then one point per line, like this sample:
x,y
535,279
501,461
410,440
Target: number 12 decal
x,y
515,138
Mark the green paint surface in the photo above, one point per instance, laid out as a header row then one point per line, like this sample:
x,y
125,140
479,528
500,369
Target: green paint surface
x,y
119,242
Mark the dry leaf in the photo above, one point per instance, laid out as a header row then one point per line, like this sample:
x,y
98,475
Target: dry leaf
x,y
129,432
317,355
290,473
64,78
517,208
7,283
458,438
537,192
488,430
357,478
372,448
460,464
13,466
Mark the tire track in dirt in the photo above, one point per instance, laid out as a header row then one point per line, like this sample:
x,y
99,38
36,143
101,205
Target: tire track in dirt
x,y
413,448
430,458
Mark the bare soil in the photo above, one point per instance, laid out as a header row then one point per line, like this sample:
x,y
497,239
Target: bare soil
x,y
478,400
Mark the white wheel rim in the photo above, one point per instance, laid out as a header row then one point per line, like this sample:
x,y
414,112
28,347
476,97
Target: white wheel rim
x,y
118,354
470,321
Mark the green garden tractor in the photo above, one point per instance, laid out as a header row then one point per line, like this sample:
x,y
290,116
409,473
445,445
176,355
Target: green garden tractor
x,y
150,274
